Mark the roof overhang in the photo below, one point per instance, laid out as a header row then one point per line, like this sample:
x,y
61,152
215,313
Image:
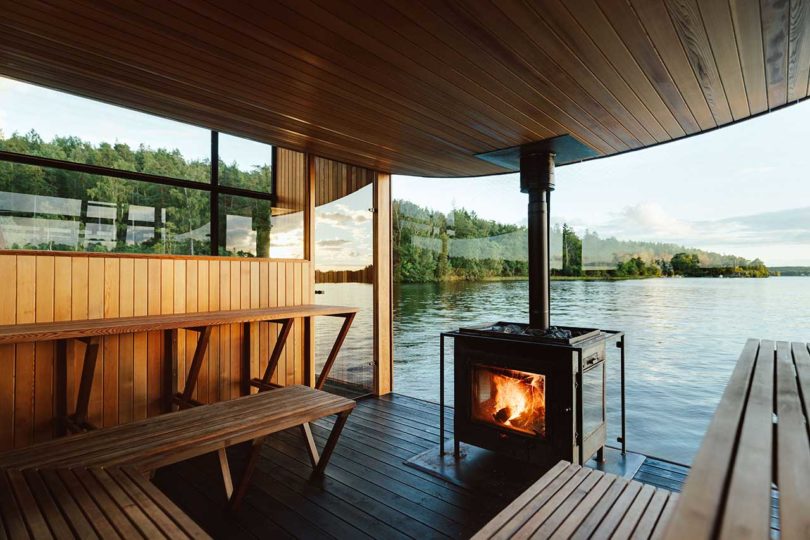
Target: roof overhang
x,y
422,87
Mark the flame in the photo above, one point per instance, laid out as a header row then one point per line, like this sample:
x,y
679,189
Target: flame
x,y
513,399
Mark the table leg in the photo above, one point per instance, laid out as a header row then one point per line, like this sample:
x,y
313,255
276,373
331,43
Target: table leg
x,y
185,398
272,363
60,388
78,421
330,360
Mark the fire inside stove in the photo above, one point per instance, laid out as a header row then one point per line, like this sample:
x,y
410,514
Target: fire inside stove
x,y
510,399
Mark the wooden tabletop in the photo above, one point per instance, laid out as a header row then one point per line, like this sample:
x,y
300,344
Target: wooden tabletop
x,y
21,333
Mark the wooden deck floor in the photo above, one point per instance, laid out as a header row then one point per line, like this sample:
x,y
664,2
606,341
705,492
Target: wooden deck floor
x,y
367,492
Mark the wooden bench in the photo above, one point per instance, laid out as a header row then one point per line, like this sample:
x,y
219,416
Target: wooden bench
x,y
571,501
90,331
88,503
163,440
757,438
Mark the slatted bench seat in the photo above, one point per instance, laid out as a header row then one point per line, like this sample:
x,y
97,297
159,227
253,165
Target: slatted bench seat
x,y
571,501
163,440
758,438
86,504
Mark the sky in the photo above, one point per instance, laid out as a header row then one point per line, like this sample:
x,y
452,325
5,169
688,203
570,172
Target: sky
x,y
742,189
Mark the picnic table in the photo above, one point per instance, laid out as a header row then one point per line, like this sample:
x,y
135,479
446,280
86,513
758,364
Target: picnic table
x,y
90,332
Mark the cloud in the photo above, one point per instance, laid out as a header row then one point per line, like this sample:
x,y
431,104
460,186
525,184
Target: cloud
x,y
342,217
337,243
647,220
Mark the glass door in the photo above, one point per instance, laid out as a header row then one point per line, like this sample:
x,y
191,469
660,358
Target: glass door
x,y
344,277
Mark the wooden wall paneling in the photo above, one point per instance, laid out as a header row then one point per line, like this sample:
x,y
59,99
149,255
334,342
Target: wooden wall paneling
x,y
154,347
24,359
213,345
225,331
281,292
180,307
140,353
235,353
201,390
112,280
775,32
95,310
191,305
8,315
44,359
383,334
126,342
298,361
289,349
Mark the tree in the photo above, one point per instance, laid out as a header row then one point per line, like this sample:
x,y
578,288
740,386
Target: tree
x,y
571,252
685,264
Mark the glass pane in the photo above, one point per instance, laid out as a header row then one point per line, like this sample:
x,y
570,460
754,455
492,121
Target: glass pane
x,y
249,228
46,123
53,209
245,164
343,276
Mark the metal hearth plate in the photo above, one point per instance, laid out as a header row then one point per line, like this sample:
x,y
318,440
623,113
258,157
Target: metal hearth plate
x,y
479,469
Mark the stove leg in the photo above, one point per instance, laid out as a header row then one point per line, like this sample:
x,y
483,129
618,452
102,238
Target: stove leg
x,y
457,449
600,455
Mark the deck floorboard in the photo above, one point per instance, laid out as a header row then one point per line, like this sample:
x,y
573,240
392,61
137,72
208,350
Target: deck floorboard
x,y
367,491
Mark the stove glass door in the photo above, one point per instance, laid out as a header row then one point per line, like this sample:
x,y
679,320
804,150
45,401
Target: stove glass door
x,y
508,399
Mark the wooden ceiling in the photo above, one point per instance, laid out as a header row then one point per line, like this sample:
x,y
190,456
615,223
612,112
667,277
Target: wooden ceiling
x,y
420,86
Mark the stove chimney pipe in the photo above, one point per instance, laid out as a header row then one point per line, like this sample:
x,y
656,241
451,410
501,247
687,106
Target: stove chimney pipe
x,y
537,179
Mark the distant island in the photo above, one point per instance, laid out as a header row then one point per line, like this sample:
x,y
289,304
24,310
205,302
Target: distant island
x,y
431,246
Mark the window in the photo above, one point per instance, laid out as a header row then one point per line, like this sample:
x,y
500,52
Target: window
x,y
80,175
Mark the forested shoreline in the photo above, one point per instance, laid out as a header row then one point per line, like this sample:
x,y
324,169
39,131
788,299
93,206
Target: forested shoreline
x,y
431,246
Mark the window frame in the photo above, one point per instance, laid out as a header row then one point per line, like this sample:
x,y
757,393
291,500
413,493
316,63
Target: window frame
x,y
213,187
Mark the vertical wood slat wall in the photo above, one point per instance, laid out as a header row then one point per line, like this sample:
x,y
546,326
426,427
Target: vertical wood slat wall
x,y
60,286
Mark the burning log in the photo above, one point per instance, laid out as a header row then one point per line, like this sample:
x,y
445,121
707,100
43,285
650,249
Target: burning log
x,y
503,415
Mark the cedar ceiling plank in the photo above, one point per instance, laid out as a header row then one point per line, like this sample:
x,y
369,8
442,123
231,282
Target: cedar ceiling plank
x,y
206,111
367,55
381,22
266,43
542,35
314,81
595,23
324,105
717,19
748,29
227,80
522,57
634,36
584,51
799,50
775,31
647,29
688,24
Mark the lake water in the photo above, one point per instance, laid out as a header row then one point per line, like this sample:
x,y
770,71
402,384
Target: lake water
x,y
683,339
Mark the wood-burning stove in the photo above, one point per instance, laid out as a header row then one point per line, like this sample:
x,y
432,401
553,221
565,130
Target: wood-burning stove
x,y
522,395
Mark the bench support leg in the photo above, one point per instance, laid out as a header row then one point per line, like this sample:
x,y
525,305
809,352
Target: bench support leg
x,y
331,442
227,479
244,481
78,421
312,450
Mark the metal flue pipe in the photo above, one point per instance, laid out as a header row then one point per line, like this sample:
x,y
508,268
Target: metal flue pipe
x,y
537,179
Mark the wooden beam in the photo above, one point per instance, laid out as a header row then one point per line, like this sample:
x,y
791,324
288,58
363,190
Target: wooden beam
x,y
383,289
309,254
